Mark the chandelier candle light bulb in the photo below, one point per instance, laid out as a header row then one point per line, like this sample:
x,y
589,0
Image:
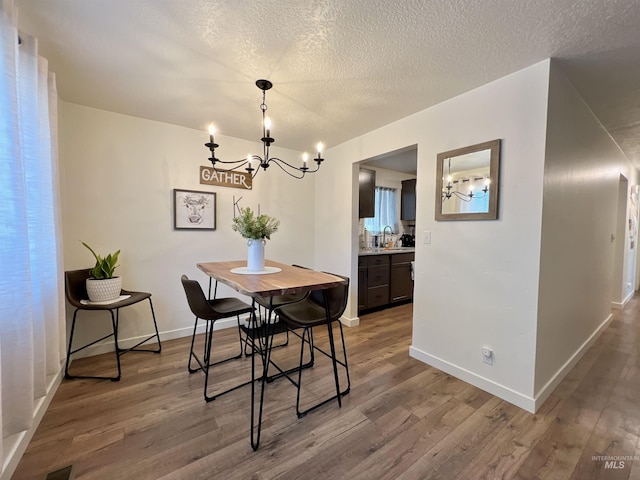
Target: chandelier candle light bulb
x,y
267,126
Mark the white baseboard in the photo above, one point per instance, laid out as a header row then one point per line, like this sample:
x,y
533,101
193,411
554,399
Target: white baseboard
x,y
518,399
555,380
21,441
621,305
350,322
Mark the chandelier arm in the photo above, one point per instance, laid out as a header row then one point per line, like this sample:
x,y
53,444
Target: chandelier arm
x,y
242,163
462,196
256,171
304,170
230,162
237,167
308,170
277,162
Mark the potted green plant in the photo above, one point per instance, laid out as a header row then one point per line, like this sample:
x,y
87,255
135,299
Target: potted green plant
x,y
103,285
257,229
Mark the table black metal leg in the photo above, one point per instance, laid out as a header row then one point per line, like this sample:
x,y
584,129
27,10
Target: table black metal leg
x,y
265,353
333,347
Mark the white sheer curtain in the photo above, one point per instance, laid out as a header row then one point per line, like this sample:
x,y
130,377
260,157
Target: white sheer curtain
x,y
32,328
386,211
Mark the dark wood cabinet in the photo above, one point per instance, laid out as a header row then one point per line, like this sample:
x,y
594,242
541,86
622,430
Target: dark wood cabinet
x,y
384,280
362,283
367,181
408,200
401,283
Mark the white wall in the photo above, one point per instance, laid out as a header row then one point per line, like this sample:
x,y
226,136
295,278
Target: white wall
x,y
476,284
582,174
389,178
117,177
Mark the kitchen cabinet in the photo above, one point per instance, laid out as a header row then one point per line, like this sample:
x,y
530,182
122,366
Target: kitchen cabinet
x,y
362,283
366,204
384,280
401,284
408,200
377,280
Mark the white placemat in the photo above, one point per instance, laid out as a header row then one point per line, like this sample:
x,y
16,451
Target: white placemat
x,y
245,271
106,302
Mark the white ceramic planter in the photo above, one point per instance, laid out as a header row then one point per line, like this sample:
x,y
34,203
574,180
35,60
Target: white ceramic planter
x,y
255,255
104,289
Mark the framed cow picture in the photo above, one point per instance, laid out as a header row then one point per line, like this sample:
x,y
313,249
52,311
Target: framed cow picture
x,y
194,210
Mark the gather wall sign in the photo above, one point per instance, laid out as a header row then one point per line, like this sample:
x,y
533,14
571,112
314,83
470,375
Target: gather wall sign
x,y
229,178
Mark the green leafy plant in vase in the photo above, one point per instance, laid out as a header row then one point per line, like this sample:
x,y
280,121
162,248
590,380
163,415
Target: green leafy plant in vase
x,y
257,229
103,286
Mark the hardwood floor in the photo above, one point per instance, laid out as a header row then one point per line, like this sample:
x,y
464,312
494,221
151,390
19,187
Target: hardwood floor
x,y
402,419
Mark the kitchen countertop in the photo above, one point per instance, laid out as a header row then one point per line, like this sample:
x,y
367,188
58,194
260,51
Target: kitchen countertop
x,y
386,251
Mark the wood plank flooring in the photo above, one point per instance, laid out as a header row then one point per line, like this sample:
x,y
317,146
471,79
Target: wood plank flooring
x,y
402,419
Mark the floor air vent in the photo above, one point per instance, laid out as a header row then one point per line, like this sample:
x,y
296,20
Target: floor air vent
x,y
65,473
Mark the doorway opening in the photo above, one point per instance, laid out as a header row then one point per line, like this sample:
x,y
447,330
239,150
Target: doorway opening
x,y
385,229
623,273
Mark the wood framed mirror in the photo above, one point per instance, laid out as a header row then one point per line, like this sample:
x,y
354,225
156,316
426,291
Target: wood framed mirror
x,y
467,182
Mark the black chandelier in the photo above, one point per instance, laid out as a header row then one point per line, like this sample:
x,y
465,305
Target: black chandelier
x,y
265,160
448,190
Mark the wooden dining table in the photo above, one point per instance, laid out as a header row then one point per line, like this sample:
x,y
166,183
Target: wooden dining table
x,y
284,280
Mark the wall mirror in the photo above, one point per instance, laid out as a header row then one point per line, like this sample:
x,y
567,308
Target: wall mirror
x,y
467,181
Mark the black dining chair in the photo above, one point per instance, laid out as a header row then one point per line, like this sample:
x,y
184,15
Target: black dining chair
x,y
270,305
210,311
321,308
76,293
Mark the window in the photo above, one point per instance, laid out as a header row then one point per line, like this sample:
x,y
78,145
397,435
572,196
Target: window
x,y
386,211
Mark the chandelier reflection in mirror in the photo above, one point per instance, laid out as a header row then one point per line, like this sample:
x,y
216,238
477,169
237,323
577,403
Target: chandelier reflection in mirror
x,y
470,184
253,163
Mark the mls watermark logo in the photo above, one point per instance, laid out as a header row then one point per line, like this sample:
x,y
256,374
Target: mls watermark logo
x,y
615,462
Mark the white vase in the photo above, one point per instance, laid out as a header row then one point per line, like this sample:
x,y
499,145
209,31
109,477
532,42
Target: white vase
x,y
255,255
104,289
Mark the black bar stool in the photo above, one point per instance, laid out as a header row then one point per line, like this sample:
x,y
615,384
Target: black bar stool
x,y
320,308
76,291
210,311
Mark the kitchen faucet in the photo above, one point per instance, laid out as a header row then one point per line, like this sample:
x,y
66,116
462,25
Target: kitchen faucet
x,y
384,235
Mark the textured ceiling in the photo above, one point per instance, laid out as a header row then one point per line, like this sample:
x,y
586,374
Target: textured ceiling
x,y
340,68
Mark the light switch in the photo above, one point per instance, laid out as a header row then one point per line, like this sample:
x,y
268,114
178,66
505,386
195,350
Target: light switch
x,y
427,238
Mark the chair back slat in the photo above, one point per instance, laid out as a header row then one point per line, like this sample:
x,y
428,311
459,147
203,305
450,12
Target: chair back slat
x,y
76,286
337,297
197,301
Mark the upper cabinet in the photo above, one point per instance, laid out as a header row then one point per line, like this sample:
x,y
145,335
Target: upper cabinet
x,y
408,200
367,180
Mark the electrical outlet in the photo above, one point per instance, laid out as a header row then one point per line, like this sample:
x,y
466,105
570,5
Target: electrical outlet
x,y
427,238
487,355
